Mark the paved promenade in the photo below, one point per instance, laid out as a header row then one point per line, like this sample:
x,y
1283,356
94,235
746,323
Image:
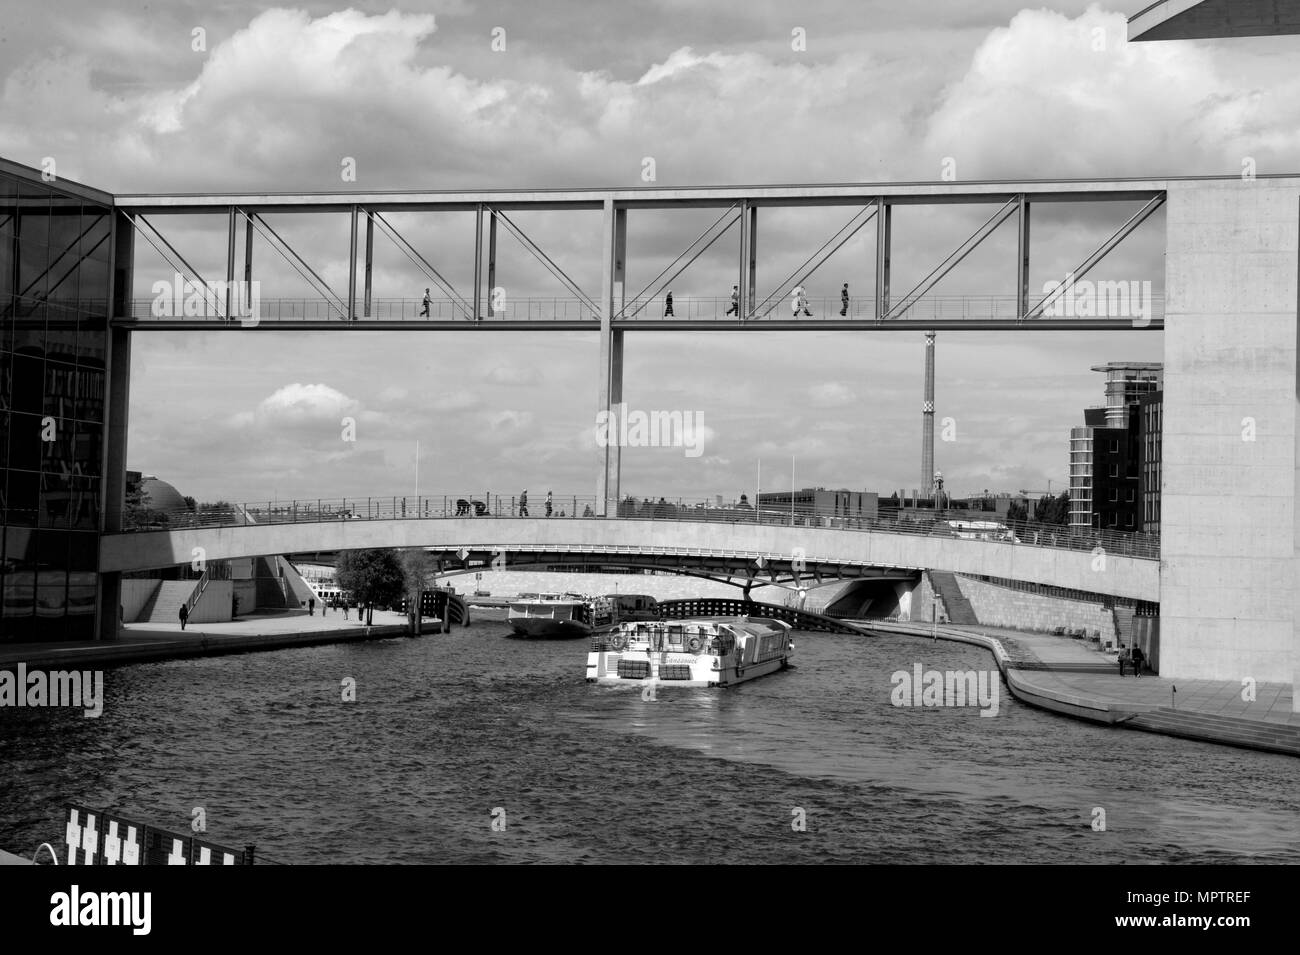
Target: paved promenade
x,y
1071,677
162,641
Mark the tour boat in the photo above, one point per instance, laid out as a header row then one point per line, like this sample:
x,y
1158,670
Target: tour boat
x,y
559,616
705,651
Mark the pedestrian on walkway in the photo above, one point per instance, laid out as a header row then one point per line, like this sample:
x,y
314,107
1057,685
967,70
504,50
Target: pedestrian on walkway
x,y
311,606
799,302
424,313
345,610
668,303
735,301
184,615
844,299
1139,660
548,504
523,503
1123,659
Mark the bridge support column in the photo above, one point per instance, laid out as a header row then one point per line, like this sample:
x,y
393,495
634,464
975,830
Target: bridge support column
x,y
610,372
927,418
1230,461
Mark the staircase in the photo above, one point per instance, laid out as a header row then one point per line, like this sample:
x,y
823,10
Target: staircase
x,y
1234,731
164,606
955,604
1123,624
270,590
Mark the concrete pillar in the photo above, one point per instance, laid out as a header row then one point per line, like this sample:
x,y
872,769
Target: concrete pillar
x,y
117,371
927,419
610,371
1231,466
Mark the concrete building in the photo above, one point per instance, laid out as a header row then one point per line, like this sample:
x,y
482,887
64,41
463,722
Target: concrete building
x,y
1150,416
818,501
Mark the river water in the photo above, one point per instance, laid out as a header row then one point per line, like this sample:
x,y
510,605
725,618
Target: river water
x,y
450,733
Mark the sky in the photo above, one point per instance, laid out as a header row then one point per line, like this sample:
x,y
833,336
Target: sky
x,y
190,97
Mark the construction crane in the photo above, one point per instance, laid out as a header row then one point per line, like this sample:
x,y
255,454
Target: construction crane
x,y
1048,492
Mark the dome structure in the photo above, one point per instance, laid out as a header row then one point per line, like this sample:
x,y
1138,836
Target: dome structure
x,y
159,495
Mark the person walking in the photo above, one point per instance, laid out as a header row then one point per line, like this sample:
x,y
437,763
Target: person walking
x,y
184,615
523,503
345,610
844,299
311,606
424,312
1123,659
799,302
668,303
735,302
1139,658
548,504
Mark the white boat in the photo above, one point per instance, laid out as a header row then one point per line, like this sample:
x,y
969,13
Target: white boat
x,y
705,651
561,616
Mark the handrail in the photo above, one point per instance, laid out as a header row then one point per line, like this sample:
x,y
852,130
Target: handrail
x,y
197,594
567,507
638,310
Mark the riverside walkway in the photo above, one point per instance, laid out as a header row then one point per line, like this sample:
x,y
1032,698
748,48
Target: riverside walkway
x,y
138,643
1069,677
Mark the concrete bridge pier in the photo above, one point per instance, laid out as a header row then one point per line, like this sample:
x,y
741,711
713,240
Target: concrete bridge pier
x,y
1229,593
610,372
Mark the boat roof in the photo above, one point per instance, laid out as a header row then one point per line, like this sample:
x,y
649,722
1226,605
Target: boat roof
x,y
749,625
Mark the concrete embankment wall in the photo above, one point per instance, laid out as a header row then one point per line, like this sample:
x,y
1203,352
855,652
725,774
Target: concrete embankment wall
x,y
135,594
214,604
998,606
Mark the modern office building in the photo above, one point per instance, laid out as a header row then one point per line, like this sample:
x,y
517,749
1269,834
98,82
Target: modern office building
x,y
55,273
1151,409
863,505
1107,454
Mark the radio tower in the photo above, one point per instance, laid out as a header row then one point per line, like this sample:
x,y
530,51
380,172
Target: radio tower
x,y
927,420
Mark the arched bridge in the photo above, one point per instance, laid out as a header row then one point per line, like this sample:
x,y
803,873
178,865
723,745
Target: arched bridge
x,y
758,551
727,607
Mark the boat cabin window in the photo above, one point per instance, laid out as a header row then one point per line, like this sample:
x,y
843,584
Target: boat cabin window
x,y
676,636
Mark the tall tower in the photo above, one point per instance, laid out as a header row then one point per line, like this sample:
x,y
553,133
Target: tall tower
x,y
927,420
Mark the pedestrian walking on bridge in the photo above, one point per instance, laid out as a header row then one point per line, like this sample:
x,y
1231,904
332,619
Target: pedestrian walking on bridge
x,y
184,615
523,503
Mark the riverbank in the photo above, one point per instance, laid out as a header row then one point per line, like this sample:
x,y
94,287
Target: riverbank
x,y
1068,677
142,642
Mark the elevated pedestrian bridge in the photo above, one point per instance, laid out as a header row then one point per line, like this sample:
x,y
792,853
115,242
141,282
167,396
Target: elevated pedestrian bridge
x,y
757,552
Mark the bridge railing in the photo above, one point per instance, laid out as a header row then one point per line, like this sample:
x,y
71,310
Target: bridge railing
x,y
946,308
485,505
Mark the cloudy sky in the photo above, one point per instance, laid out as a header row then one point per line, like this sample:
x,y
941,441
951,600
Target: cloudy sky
x,y
195,97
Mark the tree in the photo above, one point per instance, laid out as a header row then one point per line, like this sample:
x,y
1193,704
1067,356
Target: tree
x,y
191,505
416,569
1053,510
374,577
1017,512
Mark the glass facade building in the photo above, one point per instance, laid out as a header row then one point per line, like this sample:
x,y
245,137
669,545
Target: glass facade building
x,y
55,261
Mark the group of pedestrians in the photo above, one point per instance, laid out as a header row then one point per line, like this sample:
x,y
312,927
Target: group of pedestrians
x,y
523,504
1132,657
798,302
